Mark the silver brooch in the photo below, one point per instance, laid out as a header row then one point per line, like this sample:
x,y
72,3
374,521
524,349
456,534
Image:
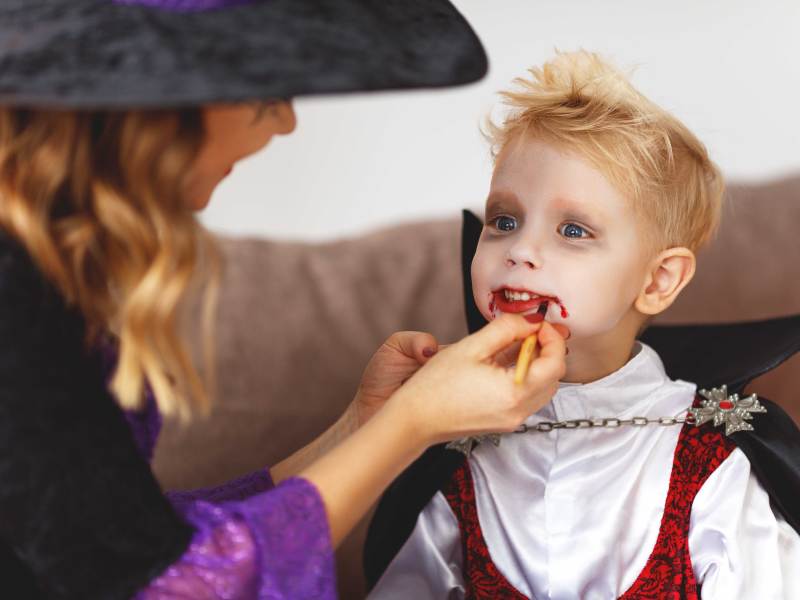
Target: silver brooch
x,y
731,410
467,445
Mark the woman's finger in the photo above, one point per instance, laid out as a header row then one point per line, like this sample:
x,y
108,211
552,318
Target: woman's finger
x,y
562,329
497,335
550,364
414,344
508,355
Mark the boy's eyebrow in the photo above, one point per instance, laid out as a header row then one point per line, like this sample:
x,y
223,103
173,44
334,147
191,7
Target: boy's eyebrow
x,y
572,210
503,201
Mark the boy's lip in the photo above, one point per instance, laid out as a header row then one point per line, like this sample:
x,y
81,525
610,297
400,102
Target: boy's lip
x,y
520,306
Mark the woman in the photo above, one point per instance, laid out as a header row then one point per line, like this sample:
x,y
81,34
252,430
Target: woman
x,y
118,120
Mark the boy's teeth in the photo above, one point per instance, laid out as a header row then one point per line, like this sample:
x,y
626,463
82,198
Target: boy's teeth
x,y
523,296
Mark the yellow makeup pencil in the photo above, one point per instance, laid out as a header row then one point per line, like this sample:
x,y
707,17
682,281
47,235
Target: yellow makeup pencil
x,y
528,352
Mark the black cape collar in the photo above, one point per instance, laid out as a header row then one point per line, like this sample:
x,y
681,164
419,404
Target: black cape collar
x,y
708,355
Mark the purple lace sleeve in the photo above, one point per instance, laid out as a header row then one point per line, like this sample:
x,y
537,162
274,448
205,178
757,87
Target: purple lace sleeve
x,y
236,489
252,540
273,545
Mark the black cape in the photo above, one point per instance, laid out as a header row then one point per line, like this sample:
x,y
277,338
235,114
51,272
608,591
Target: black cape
x,y
710,355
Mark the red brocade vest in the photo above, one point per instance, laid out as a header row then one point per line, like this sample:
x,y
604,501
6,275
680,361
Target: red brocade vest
x,y
668,573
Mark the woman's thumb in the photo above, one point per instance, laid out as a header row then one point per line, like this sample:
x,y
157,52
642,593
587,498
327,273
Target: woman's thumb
x,y
414,344
495,336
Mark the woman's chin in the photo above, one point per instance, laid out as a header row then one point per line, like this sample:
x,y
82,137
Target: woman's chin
x,y
199,201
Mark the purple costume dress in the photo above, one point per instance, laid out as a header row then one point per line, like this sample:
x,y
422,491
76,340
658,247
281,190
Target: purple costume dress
x,y
252,539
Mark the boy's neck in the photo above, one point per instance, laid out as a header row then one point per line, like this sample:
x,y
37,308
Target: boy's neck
x,y
585,366
593,358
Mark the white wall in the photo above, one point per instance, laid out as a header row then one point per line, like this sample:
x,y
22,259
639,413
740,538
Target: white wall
x,y
729,68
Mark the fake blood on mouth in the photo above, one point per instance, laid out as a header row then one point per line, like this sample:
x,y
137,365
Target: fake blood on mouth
x,y
519,306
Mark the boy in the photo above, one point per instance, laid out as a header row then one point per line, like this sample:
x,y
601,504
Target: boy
x,y
598,202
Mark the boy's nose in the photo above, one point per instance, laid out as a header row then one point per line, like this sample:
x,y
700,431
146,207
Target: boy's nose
x,y
510,262
523,256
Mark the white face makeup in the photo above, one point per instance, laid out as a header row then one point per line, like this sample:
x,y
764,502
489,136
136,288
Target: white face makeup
x,y
557,229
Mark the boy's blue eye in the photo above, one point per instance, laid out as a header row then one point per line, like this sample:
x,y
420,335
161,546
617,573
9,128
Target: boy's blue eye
x,y
505,223
571,230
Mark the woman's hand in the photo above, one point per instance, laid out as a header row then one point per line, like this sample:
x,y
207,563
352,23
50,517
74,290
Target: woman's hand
x,y
468,388
398,358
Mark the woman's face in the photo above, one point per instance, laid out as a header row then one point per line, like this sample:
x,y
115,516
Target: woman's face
x,y
233,132
556,229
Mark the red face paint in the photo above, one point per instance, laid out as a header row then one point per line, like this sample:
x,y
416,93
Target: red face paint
x,y
499,301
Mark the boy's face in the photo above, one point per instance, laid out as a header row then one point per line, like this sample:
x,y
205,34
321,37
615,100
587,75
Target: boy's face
x,y
557,229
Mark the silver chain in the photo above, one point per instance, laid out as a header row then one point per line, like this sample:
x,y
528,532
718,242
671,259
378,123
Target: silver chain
x,y
611,422
465,445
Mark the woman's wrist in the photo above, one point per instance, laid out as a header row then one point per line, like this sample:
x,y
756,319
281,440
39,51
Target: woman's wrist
x,y
344,426
351,419
399,411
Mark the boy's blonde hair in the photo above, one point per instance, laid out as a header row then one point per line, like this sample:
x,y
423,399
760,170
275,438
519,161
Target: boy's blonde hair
x,y
581,103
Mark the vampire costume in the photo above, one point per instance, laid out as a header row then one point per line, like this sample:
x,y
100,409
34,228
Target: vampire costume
x,y
637,485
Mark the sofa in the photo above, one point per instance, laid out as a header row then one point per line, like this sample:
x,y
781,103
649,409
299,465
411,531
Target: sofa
x,y
297,323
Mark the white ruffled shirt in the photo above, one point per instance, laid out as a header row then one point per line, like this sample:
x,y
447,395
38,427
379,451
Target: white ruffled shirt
x,y
575,513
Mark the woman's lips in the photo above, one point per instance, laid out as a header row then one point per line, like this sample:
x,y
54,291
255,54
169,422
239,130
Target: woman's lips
x,y
499,302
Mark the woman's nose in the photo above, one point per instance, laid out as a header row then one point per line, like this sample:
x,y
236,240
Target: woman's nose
x,y
286,117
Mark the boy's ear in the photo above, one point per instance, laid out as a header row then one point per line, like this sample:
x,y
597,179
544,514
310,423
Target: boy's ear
x,y
668,274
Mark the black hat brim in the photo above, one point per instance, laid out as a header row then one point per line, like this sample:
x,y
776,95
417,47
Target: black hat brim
x,y
94,53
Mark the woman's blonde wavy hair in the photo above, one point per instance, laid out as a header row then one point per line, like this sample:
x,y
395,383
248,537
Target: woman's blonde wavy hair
x,y
96,198
581,102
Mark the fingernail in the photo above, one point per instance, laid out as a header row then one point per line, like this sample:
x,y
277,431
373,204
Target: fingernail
x,y
534,318
428,352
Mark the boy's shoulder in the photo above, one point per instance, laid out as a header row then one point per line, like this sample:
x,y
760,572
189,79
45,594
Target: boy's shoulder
x,y
723,359
773,449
